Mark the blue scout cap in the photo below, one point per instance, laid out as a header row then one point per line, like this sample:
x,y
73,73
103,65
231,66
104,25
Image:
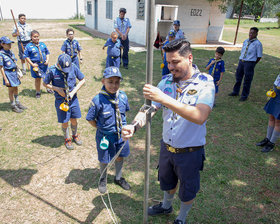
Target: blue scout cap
x,y
6,40
176,22
65,62
111,72
171,33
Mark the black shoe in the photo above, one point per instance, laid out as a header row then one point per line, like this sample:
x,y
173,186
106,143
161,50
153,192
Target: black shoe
x,y
102,185
159,210
125,66
263,142
122,182
268,147
16,109
233,94
38,95
243,99
177,221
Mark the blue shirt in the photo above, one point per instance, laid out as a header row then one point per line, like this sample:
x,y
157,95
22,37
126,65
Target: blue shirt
x,y
113,49
122,24
178,35
220,67
254,50
177,131
7,60
24,31
56,77
103,112
164,55
32,52
71,47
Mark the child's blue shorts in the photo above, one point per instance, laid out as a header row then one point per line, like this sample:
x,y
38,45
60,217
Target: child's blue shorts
x,y
73,112
115,144
184,167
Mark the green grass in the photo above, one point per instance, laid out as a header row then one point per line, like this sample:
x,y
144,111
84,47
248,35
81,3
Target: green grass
x,y
39,176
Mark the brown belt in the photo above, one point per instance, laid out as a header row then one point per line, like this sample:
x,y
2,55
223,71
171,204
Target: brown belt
x,y
182,150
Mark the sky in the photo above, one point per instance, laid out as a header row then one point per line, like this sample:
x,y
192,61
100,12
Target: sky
x,y
41,9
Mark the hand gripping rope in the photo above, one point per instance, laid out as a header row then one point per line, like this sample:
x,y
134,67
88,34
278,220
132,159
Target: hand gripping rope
x,y
146,109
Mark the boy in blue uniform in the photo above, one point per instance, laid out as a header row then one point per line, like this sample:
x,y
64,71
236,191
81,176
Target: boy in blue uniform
x,y
165,70
62,77
179,34
216,67
72,48
113,50
122,26
107,114
8,70
23,37
37,55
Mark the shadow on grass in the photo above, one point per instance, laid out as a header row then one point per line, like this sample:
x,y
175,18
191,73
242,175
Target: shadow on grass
x,y
5,107
53,141
30,92
21,177
88,178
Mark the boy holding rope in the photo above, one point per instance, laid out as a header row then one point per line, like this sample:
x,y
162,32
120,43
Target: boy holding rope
x,y
63,77
107,114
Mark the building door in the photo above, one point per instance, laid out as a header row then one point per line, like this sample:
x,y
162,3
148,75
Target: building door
x,y
96,14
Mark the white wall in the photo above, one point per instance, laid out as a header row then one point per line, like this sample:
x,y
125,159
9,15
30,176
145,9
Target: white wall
x,y
41,9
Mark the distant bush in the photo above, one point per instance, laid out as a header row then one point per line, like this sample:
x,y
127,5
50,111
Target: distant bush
x,y
82,17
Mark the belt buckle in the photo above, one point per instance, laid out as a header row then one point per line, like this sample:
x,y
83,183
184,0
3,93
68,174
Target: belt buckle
x,y
242,60
171,149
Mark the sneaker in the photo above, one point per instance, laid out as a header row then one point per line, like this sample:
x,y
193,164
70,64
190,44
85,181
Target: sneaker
x,y
122,182
68,144
23,72
177,221
38,95
125,66
20,106
77,139
268,147
102,188
233,94
242,99
263,142
16,109
159,210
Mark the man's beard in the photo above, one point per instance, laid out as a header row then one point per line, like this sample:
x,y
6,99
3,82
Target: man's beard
x,y
177,79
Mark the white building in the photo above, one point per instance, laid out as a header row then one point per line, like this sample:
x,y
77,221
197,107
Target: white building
x,y
200,20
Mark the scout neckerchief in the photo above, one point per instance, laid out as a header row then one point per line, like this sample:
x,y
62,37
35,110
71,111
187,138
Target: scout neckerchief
x,y
122,25
71,47
40,52
23,29
216,61
116,103
67,98
181,88
248,44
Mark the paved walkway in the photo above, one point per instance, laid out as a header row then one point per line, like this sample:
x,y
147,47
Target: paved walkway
x,y
138,47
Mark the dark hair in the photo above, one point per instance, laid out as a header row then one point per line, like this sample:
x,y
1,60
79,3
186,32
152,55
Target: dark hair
x,y
181,45
69,30
122,10
220,50
255,29
1,47
20,15
34,32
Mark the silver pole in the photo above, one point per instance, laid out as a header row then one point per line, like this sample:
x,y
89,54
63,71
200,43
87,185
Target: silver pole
x,y
77,9
150,24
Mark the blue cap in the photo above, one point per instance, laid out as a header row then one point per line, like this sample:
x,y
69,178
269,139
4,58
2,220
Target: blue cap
x,y
112,72
171,33
176,22
65,62
6,40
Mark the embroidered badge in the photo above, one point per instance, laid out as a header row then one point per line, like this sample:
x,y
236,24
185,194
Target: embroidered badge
x,y
167,91
168,82
114,70
8,63
67,63
192,91
202,77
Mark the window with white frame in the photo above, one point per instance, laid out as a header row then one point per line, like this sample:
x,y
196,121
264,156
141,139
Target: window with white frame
x,y
141,9
89,8
109,9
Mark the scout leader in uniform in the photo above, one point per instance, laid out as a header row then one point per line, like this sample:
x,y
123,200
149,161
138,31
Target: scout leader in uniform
x,y
62,77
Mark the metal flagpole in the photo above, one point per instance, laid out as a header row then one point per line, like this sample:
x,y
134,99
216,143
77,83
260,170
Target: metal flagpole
x,y
150,24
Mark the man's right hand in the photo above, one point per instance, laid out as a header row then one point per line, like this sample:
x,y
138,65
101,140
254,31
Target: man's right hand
x,y
127,131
